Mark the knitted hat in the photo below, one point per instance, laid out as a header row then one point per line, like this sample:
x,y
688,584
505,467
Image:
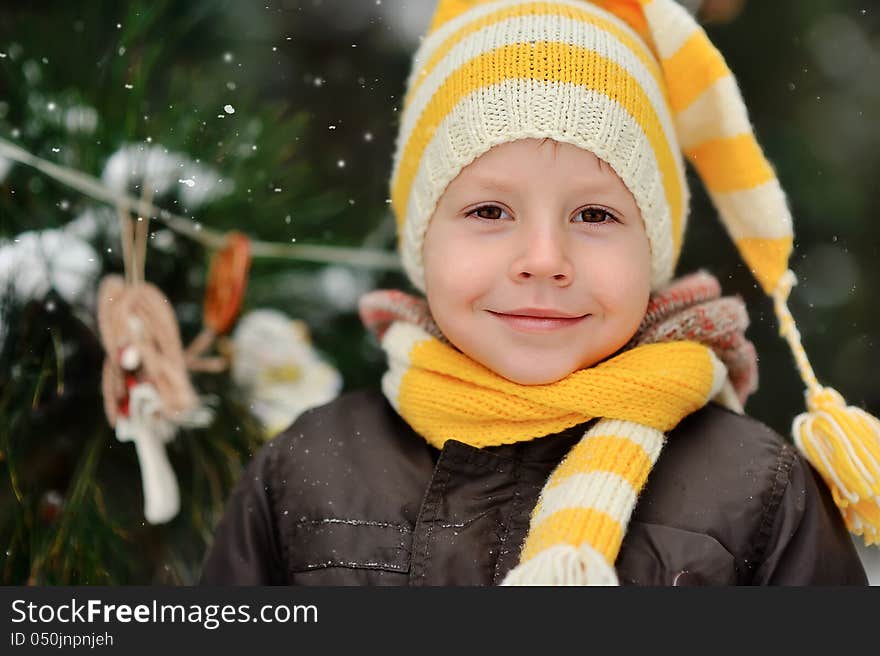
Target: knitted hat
x,y
639,84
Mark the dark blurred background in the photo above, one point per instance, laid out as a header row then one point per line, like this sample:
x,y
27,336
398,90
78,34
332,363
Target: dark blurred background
x,y
278,119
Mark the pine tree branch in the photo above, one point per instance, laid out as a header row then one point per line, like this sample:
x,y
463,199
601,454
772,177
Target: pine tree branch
x,y
83,481
212,239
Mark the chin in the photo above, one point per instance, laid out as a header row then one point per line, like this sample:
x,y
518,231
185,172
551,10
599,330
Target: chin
x,y
536,377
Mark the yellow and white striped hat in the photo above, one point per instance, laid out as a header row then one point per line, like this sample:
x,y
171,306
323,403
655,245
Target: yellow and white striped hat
x,y
636,82
639,84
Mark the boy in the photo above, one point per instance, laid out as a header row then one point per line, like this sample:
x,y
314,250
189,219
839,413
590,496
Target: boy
x,y
541,206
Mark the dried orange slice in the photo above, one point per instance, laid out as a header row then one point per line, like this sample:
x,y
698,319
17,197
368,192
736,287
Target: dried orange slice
x,y
227,280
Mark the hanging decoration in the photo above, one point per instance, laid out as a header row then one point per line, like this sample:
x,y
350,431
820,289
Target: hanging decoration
x,y
227,281
147,392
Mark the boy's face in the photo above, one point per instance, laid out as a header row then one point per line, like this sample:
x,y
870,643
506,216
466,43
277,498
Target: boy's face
x,y
536,260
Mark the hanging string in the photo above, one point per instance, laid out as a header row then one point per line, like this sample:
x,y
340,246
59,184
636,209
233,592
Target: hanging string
x,y
126,236
134,240
211,239
141,233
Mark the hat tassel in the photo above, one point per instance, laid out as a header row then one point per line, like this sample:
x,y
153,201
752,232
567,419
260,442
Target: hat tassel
x,y
841,442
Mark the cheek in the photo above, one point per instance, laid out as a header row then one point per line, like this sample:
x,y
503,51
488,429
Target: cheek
x,y
457,269
621,279
638,281
451,289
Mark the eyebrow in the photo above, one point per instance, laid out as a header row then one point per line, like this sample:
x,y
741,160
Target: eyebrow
x,y
501,184
496,184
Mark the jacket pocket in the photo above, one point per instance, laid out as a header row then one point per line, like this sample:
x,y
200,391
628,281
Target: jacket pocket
x,y
653,554
313,545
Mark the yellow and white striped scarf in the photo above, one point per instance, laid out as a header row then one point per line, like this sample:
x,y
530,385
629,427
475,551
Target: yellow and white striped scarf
x,y
582,514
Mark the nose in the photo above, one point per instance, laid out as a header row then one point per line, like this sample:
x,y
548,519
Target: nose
x,y
541,253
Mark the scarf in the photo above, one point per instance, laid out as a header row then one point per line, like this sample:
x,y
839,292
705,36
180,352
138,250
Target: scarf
x,y
689,349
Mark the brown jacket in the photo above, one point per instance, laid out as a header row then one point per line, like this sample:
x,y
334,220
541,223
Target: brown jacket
x,y
350,495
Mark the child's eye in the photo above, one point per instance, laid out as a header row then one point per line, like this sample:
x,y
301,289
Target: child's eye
x,y
492,212
595,216
591,215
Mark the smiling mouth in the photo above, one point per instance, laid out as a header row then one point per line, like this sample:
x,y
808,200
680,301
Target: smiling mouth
x,y
537,324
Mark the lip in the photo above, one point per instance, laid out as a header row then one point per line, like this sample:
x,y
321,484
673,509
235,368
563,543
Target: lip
x,y
537,320
541,312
